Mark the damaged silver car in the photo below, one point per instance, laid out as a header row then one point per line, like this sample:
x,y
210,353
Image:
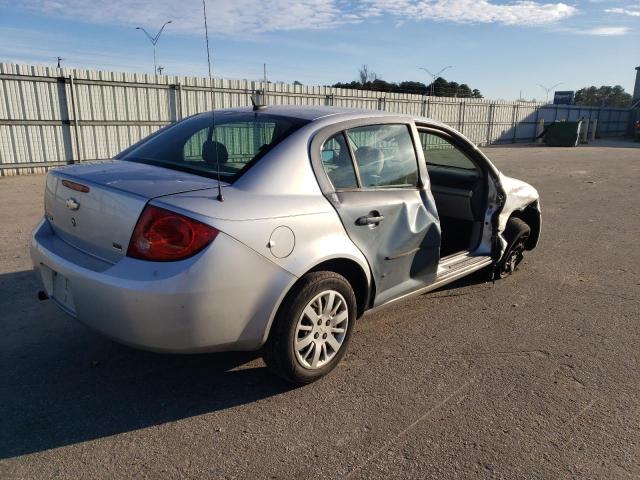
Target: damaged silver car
x,y
274,228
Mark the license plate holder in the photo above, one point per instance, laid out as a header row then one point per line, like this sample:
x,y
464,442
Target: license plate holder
x,y
61,292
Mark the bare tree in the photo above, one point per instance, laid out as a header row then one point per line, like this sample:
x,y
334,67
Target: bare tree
x,y
366,75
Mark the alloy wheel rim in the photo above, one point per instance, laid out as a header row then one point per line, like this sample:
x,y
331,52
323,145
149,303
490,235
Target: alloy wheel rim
x,y
321,329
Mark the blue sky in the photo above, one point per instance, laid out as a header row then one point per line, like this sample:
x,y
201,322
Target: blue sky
x,y
499,47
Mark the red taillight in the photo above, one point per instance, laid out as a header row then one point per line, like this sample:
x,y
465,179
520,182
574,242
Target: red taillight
x,y
161,235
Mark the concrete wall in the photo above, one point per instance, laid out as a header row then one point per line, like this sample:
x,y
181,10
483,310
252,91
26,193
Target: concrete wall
x,y
51,116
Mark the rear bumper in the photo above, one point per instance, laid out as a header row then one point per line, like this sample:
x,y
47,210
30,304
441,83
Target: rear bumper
x,y
224,298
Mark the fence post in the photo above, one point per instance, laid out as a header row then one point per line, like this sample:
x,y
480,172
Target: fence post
x,y
539,130
74,120
65,115
178,92
490,122
585,130
594,126
461,111
424,106
535,133
513,122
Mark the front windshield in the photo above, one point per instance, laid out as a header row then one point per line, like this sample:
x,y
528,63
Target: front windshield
x,y
238,140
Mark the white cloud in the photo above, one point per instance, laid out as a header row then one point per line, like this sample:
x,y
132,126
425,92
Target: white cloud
x,y
243,18
606,31
238,18
632,12
474,11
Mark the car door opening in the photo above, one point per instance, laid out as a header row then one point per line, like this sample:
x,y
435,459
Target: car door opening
x,y
459,188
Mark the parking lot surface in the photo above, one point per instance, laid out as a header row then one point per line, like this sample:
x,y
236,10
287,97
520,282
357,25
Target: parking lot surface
x,y
535,376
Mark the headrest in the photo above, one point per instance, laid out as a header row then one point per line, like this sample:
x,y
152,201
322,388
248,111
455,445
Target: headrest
x,y
369,155
209,150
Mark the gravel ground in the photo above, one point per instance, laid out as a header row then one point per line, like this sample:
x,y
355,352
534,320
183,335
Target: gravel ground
x,y
535,376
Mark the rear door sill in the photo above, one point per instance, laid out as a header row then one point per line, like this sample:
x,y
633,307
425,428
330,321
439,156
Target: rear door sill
x,y
450,269
461,263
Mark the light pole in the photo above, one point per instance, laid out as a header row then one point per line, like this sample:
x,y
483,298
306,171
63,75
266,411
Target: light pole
x,y
549,89
154,41
435,76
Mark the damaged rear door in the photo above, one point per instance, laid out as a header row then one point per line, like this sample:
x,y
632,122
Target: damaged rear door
x,y
384,205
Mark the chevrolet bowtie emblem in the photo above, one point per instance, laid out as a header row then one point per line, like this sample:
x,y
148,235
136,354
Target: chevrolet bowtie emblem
x,y
72,204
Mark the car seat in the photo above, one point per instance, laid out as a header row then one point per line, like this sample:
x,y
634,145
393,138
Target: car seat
x,y
370,163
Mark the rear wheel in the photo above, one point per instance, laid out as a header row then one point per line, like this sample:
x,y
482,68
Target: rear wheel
x,y
517,233
312,329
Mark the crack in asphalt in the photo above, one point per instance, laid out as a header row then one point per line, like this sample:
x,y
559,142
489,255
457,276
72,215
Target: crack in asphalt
x,y
395,439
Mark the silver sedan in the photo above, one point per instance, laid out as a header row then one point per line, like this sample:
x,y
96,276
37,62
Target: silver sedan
x,y
274,229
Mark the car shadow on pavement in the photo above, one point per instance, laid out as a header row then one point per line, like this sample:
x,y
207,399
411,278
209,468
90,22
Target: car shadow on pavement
x,y
61,384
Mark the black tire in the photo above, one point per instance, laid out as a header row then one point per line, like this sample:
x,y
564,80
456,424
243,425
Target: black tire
x,y
517,233
279,353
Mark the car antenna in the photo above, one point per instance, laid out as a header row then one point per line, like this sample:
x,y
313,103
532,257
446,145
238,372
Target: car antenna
x,y
260,103
213,99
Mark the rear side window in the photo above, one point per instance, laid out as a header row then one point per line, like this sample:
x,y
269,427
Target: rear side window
x,y
227,146
385,155
336,161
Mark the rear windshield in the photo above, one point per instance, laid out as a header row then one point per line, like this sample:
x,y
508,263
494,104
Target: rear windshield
x,y
238,140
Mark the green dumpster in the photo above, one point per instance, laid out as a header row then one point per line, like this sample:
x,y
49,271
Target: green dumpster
x,y
562,134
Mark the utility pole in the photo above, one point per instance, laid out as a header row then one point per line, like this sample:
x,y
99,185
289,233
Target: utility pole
x,y
549,89
435,76
264,73
154,41
60,60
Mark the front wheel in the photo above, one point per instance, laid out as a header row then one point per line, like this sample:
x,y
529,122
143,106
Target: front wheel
x,y
517,233
312,329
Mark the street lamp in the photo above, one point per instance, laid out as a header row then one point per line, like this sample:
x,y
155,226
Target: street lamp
x,y
154,41
435,76
549,89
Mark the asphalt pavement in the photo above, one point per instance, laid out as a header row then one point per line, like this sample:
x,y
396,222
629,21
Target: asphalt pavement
x,y
535,376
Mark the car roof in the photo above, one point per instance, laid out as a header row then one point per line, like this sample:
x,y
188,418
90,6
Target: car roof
x,y
309,112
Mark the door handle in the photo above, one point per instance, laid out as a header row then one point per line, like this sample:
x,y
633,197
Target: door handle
x,y
374,218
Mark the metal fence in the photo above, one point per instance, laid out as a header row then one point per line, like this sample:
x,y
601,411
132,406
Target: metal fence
x,y
51,116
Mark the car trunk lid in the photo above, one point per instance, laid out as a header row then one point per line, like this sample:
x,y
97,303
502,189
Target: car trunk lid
x,y
95,206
